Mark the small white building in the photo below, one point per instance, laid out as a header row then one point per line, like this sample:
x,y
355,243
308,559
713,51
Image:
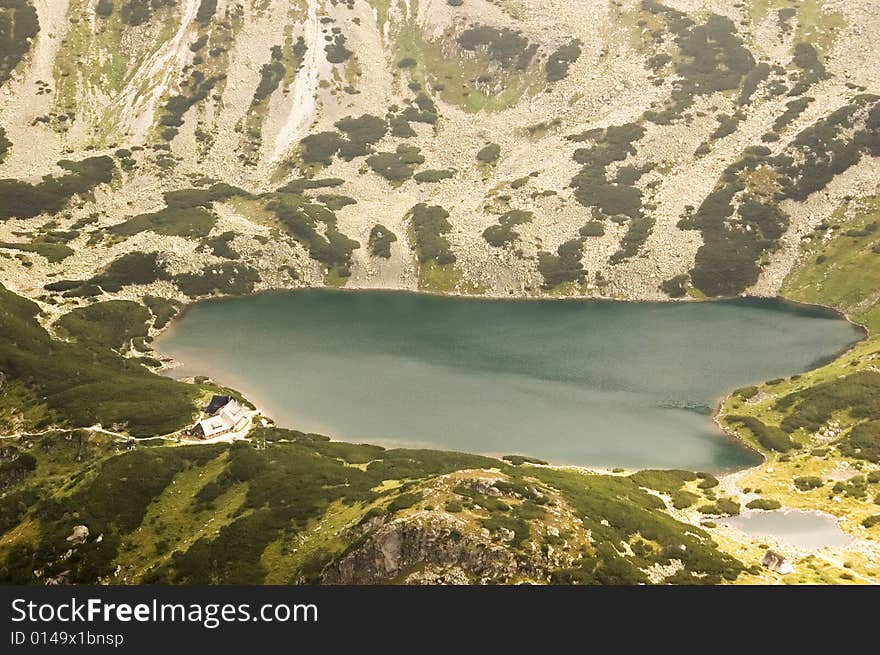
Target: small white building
x,y
234,413
776,562
231,417
211,426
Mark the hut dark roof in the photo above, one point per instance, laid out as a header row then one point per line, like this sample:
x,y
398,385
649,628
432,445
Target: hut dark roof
x,y
217,403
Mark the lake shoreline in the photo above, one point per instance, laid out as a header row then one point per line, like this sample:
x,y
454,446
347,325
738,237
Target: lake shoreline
x,y
716,413
688,300
169,364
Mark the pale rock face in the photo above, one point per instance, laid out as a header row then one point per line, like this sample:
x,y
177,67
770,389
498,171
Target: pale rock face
x,y
79,535
230,97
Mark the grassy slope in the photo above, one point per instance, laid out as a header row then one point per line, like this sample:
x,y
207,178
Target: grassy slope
x,y
285,507
813,24
247,530
456,75
83,382
843,272
841,267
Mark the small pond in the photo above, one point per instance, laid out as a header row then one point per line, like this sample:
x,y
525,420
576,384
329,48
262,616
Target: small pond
x,y
795,527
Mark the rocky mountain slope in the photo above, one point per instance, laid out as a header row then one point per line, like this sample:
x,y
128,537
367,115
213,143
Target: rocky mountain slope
x,y
292,508
157,151
627,149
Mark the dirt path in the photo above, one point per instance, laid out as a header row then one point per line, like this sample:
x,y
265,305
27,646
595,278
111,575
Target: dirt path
x,y
93,428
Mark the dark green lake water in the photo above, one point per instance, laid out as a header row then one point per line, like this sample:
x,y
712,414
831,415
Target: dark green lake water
x,y
573,382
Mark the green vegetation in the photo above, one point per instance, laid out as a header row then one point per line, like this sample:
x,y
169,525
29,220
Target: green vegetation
x,y
667,482
453,506
769,436
138,12
429,224
335,202
816,23
442,278
110,324
734,242
420,109
396,166
559,62
793,109
871,521
18,27
629,511
104,8
832,407
24,200
300,216
514,524
765,504
380,241
336,51
271,75
53,252
676,287
684,499
432,176
82,383
289,485
862,442
811,68
137,476
857,394
710,57
480,68
506,47
297,187
206,11
727,125
854,487
489,153
131,268
219,245
592,188
229,278
196,89
187,198
637,233
721,507
807,482
404,501
752,81
362,132
503,233
319,148
518,460
5,144
707,481
266,496
163,310
592,229
171,221
841,267
564,266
